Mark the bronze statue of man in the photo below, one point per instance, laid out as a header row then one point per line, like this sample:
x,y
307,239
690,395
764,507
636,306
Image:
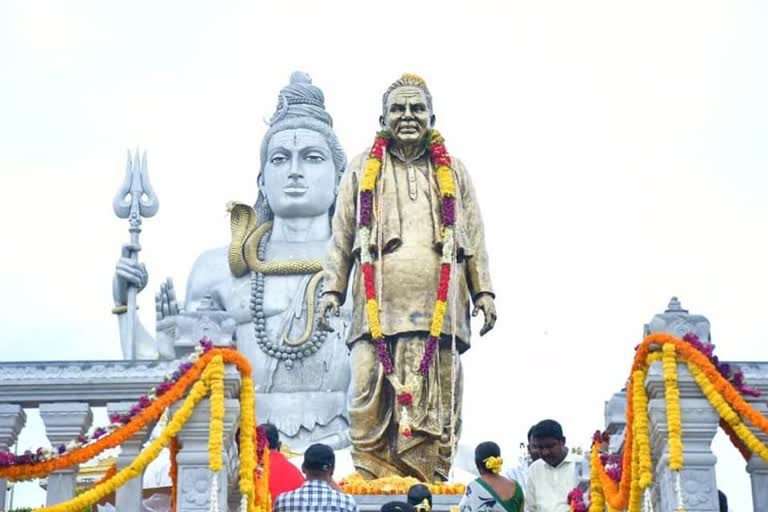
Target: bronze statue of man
x,y
408,225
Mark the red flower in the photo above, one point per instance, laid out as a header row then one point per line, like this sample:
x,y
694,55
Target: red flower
x,y
405,398
407,432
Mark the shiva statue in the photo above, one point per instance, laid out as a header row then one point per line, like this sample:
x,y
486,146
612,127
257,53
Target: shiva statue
x,y
261,293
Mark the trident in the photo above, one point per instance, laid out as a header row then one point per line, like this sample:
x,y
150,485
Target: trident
x,y
135,199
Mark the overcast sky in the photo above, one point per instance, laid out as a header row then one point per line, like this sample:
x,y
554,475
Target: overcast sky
x,y
618,150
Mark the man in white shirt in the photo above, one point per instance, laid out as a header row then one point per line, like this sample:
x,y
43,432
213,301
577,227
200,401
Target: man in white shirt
x,y
519,473
554,475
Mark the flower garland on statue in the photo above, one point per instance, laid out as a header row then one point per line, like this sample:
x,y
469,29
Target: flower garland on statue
x,y
442,164
34,464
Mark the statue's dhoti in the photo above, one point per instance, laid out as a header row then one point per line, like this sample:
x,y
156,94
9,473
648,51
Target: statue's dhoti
x,y
378,447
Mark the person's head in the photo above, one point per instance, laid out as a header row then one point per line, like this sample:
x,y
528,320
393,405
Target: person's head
x,y
319,462
418,495
549,441
396,506
407,110
533,452
488,458
301,158
722,501
269,431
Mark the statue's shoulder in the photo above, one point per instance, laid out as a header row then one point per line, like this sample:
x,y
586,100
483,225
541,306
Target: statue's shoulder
x,y
357,162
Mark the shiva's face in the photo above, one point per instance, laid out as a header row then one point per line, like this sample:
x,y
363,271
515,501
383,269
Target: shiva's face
x,y
407,115
299,177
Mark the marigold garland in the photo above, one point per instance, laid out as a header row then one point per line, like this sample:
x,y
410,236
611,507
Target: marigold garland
x,y
596,499
209,369
216,429
672,397
713,379
117,437
446,185
96,494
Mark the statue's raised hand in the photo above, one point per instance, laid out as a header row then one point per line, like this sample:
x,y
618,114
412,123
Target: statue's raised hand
x,y
167,312
329,303
128,273
484,302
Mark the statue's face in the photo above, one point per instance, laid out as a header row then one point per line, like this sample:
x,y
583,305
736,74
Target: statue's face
x,y
407,115
299,178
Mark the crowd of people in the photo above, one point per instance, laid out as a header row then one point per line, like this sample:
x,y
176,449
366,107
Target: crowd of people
x,y
541,483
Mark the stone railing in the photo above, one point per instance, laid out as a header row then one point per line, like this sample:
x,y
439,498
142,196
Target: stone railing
x,y
699,424
66,392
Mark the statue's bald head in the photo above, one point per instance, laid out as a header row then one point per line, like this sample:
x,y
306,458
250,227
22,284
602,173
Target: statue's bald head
x,y
407,80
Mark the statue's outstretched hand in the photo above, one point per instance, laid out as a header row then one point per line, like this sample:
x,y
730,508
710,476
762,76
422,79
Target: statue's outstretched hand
x,y
484,302
167,312
329,303
128,273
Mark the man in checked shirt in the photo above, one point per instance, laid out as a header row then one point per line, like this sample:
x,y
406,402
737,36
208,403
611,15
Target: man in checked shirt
x,y
319,493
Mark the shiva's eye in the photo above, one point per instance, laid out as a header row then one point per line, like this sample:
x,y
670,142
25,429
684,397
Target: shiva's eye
x,y
278,160
314,158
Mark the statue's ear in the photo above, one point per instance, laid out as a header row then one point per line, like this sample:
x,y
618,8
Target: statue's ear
x,y
382,123
431,121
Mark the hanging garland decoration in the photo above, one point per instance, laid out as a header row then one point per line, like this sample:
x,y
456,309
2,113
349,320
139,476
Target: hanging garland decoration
x,y
147,410
205,376
441,162
723,389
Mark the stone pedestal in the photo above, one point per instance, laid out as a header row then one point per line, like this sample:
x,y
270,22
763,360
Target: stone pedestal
x,y
129,496
699,426
757,467
12,420
194,479
64,422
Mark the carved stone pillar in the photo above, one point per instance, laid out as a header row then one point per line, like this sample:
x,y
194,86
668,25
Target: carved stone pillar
x,y
757,467
129,496
12,420
699,422
194,477
64,422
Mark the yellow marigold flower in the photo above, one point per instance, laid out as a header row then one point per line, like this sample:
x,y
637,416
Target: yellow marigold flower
x,y
445,181
437,318
372,310
370,174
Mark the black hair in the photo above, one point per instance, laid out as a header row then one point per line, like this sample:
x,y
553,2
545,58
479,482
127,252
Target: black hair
x,y
397,506
418,493
530,433
722,501
548,429
272,435
483,451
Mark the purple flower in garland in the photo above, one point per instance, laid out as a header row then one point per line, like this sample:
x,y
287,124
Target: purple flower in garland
x,y
725,369
366,207
206,343
429,353
383,353
449,210
99,432
163,388
115,418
